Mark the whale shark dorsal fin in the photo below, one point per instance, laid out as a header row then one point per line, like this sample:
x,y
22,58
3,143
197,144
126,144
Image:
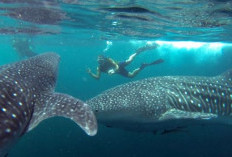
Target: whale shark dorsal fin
x,y
179,114
56,104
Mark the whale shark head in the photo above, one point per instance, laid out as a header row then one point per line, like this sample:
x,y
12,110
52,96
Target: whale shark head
x,y
27,97
130,102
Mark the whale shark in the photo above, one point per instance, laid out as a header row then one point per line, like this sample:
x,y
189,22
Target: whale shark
x,y
166,103
27,97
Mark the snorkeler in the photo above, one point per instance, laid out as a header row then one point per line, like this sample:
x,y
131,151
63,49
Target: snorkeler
x,y
110,66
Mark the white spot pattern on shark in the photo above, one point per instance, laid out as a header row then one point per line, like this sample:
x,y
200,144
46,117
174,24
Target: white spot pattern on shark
x,y
27,97
160,99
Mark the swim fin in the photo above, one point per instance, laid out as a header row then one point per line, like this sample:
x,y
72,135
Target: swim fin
x,y
158,61
146,48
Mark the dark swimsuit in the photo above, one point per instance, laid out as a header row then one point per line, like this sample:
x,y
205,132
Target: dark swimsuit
x,y
122,71
106,66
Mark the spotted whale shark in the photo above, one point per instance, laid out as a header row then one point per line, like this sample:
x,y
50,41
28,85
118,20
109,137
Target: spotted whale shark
x,y
166,103
27,97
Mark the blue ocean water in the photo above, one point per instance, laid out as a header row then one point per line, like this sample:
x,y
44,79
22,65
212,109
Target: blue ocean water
x,y
84,34
61,137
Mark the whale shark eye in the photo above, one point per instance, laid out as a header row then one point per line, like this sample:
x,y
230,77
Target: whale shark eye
x,y
96,110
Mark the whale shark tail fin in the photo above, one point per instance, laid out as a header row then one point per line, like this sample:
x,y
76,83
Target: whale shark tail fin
x,y
58,104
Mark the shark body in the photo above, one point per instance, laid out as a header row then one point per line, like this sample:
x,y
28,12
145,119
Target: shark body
x,y
166,103
27,97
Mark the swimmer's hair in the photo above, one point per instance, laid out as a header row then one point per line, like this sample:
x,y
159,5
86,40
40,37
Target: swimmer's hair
x,y
101,56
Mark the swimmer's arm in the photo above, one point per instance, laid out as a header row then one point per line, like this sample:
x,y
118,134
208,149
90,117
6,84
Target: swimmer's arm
x,y
114,63
97,75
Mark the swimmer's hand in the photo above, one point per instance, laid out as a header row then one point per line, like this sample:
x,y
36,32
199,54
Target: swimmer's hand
x,y
88,71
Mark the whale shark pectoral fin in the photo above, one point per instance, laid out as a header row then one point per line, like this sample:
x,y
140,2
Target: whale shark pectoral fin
x,y
179,114
57,104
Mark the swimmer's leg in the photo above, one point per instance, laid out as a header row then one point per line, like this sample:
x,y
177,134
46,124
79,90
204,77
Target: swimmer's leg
x,y
138,51
134,72
130,59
